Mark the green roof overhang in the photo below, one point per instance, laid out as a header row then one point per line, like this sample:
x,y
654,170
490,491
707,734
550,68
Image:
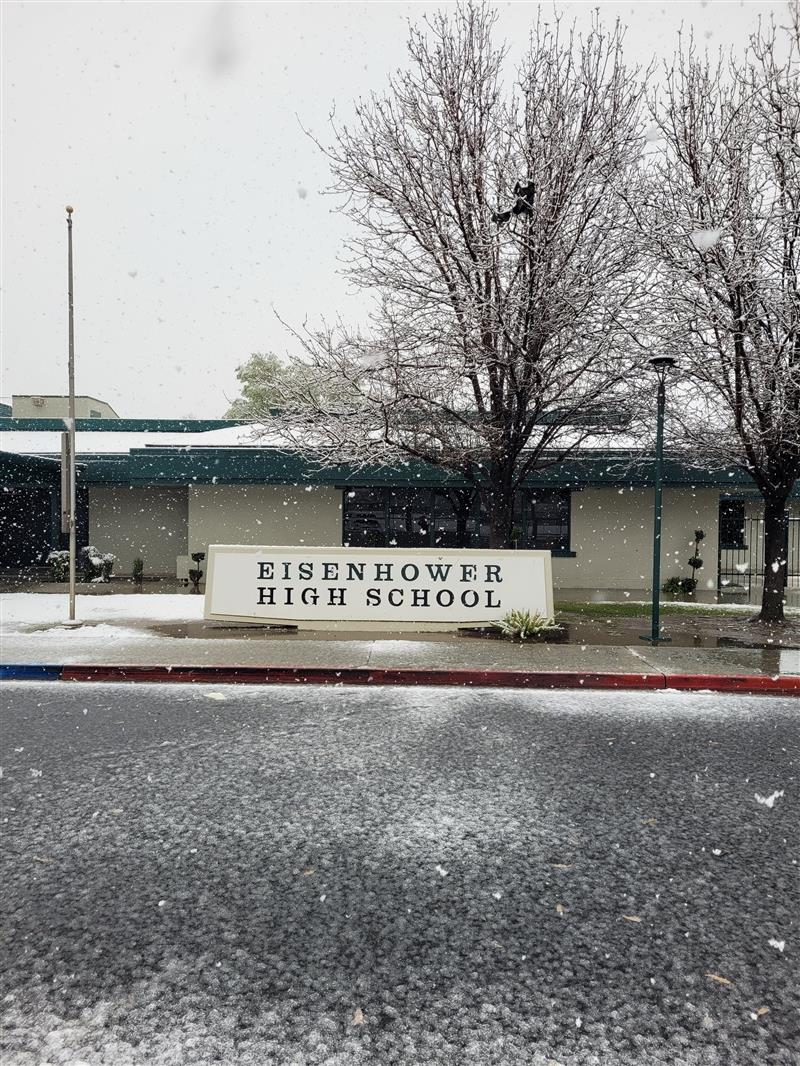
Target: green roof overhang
x,y
273,466
18,469
121,425
230,465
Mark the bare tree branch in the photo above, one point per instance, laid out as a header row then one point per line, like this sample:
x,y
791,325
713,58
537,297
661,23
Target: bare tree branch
x,y
722,213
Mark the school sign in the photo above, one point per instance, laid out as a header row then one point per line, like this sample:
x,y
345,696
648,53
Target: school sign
x,y
324,588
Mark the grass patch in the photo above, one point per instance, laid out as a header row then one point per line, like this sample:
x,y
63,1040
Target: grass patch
x,y
642,610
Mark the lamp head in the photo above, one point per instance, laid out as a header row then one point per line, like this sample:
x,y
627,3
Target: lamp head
x,y
662,363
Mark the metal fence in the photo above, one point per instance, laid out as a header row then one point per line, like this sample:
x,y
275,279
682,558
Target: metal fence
x,y
741,569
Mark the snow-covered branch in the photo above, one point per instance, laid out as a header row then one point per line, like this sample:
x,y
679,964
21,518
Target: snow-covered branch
x,y
491,225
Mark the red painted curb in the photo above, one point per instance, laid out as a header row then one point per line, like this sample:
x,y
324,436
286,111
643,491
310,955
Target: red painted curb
x,y
786,686
283,675
361,676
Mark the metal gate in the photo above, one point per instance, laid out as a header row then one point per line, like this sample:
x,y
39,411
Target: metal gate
x,y
741,569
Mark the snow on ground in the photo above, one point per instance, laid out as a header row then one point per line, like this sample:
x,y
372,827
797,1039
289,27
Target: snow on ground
x,y
19,611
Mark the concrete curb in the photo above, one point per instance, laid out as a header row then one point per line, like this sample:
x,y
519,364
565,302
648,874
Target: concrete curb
x,y
459,678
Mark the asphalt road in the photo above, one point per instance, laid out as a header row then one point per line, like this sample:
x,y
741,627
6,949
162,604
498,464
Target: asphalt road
x,y
345,876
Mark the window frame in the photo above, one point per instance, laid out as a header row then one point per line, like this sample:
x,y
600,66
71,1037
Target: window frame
x,y
382,502
726,545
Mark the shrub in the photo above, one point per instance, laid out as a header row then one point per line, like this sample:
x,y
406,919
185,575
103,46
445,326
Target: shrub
x,y
679,586
58,561
197,573
527,625
95,565
107,565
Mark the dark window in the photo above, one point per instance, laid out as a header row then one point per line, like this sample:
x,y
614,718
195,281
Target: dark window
x,y
450,518
364,518
455,519
731,524
409,518
547,521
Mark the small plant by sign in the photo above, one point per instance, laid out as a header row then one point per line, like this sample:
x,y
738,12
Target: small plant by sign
x,y
527,625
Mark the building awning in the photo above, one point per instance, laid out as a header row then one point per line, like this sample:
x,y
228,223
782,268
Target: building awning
x,y
29,469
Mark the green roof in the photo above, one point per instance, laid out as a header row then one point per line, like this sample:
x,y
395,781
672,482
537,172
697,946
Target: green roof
x,y
28,469
227,465
231,466
122,425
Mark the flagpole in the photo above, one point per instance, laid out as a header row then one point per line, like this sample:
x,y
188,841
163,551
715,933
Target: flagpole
x,y
71,426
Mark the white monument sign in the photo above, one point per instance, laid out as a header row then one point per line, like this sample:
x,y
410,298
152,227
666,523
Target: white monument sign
x,y
400,588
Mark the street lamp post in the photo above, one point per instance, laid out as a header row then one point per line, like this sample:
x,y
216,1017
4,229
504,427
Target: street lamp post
x,y
71,490
661,364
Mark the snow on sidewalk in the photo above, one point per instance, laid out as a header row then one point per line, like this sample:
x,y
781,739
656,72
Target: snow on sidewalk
x,y
34,628
23,612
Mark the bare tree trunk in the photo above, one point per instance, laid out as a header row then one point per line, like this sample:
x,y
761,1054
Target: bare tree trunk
x,y
499,505
461,528
775,530
462,502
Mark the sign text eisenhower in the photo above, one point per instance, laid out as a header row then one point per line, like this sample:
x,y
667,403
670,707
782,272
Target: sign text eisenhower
x,y
381,582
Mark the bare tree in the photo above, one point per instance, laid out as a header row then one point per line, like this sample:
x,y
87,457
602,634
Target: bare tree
x,y
491,228
723,216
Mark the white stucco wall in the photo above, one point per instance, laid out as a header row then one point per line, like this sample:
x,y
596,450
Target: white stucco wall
x,y
263,514
612,536
612,531
141,521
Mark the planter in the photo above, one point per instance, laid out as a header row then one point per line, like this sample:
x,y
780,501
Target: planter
x,y
556,636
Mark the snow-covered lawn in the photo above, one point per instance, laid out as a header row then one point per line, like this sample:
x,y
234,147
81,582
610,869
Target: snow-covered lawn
x,y
19,611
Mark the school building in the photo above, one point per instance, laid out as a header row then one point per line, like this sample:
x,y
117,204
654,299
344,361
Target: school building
x,y
161,489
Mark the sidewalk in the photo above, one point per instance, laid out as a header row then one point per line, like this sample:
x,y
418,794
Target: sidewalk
x,y
114,644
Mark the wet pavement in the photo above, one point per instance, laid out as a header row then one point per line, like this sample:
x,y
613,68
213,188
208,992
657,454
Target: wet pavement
x,y
116,630
321,876
200,644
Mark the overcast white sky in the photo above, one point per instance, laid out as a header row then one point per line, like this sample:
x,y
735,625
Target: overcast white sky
x,y
174,130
